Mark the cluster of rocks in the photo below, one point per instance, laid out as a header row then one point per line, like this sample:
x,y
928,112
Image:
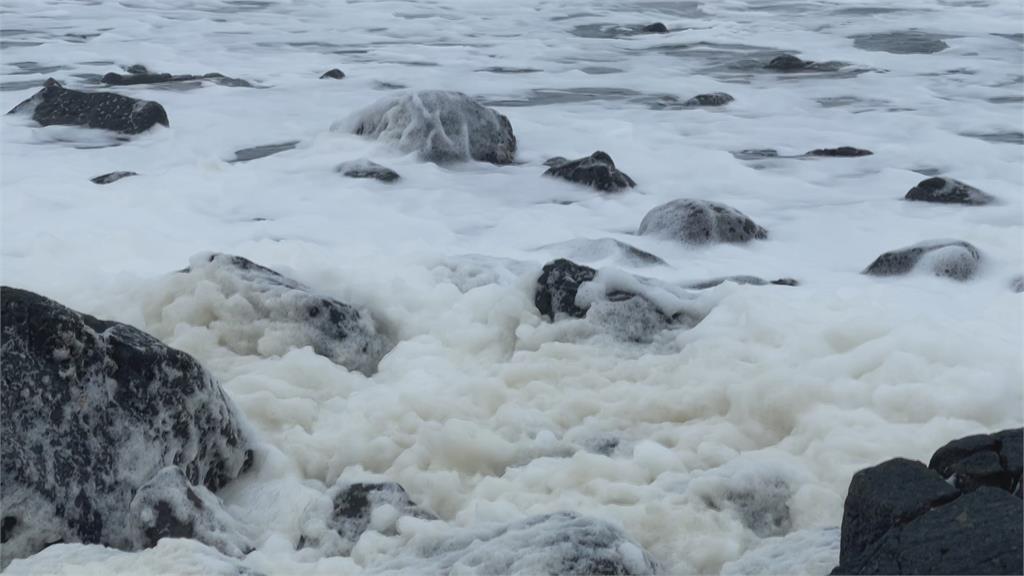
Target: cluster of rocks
x,y
961,514
139,74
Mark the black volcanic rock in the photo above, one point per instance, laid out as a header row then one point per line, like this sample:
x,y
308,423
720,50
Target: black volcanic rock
x,y
56,105
903,518
597,171
92,410
948,191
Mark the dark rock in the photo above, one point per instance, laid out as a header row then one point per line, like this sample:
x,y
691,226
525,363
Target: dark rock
x,y
763,507
945,258
111,177
557,287
889,494
56,105
288,313
441,126
756,154
788,63
906,42
91,411
333,73
749,280
597,171
700,222
982,460
946,457
256,152
978,533
711,99
1011,451
168,506
139,74
560,544
656,28
948,191
1017,284
366,169
354,505
841,152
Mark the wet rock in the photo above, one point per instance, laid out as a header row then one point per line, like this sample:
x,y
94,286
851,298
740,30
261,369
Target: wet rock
x,y
256,152
946,258
948,191
56,105
366,169
557,544
903,518
748,280
557,287
908,42
656,28
841,152
333,73
711,99
169,506
1017,284
139,74
440,126
597,171
90,411
354,505
756,154
700,222
111,177
272,314
788,63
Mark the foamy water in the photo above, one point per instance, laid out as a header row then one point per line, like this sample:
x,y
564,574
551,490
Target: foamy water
x,y
485,411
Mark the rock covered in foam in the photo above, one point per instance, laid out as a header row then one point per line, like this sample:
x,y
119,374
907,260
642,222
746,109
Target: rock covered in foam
x,y
601,249
597,171
948,191
91,411
700,222
710,99
945,258
56,105
440,126
112,177
558,544
256,310
336,522
169,506
364,168
901,517
627,310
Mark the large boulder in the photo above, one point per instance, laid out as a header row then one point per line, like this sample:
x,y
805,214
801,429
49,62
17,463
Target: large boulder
x,y
597,171
700,222
55,104
945,258
259,311
90,412
956,516
948,191
441,126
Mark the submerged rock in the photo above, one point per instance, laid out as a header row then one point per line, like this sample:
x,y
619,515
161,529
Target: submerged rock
x,y
1017,284
56,105
588,250
112,177
901,517
841,152
333,73
92,410
139,74
750,280
656,28
700,222
270,314
257,152
366,169
788,63
597,171
560,544
946,258
948,191
169,506
440,126
710,99
628,313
